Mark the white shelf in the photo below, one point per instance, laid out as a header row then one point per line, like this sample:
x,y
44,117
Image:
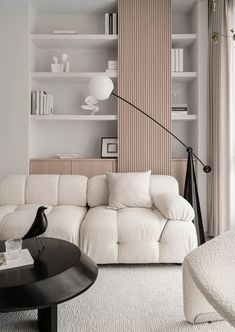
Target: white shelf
x,y
74,7
182,6
182,117
183,40
74,117
183,76
74,41
49,76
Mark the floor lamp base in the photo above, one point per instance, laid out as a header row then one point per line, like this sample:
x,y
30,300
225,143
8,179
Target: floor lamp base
x,y
191,195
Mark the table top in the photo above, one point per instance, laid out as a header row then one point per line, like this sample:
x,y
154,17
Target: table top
x,y
60,272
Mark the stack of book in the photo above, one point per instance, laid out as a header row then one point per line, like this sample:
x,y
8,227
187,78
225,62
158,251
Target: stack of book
x,y
41,103
180,109
177,59
111,23
112,67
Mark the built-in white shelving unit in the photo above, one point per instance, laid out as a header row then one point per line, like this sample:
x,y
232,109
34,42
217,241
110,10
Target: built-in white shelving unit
x,y
182,117
175,117
189,32
184,76
71,129
48,76
74,117
183,39
73,41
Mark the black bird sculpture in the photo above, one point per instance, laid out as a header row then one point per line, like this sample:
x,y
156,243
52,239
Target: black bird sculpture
x,y
38,227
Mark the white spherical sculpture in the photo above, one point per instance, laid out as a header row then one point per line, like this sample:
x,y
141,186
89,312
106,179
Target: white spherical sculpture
x,y
101,87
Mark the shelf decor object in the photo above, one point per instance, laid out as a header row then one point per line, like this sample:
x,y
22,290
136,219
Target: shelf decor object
x,y
101,87
38,227
109,147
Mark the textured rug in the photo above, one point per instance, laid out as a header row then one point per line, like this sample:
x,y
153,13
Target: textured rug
x,y
146,298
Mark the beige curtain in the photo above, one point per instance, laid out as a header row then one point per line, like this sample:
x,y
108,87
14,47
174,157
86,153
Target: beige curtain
x,y
220,113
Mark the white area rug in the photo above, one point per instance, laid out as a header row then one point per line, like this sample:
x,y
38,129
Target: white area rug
x,y
146,298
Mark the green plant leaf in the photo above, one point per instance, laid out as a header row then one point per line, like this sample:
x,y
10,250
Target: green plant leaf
x,y
215,37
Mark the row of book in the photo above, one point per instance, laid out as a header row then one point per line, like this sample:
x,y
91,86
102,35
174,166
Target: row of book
x,y
42,103
112,67
111,23
177,59
180,108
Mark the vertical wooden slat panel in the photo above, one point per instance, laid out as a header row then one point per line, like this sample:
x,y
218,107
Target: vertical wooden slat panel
x,y
144,72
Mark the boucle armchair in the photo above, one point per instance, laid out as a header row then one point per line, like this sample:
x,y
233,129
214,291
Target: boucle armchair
x,y
208,280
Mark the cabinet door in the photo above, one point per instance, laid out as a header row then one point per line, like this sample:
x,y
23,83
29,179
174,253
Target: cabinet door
x,y
50,167
93,167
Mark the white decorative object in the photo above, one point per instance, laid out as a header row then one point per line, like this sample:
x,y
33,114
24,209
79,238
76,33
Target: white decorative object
x,y
56,67
65,62
24,259
67,67
100,87
91,101
13,248
65,32
67,155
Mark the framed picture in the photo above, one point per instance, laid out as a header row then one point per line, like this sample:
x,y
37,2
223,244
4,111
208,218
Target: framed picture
x,y
109,147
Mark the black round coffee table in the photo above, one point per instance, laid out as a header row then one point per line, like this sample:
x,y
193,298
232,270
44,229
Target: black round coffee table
x,y
60,272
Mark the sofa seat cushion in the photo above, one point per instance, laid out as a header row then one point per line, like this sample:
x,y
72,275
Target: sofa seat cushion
x,y
129,235
63,221
4,210
178,239
17,222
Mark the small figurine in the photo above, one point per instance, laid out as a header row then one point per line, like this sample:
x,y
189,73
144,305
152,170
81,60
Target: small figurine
x,y
55,66
38,227
91,101
65,62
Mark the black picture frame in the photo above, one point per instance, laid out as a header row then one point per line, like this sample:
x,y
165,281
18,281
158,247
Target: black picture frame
x,y
109,147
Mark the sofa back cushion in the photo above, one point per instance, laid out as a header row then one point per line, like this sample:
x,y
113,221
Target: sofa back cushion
x,y
98,188
129,190
98,191
48,189
72,190
12,189
42,189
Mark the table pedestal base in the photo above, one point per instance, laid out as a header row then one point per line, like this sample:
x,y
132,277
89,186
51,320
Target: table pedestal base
x,y
47,319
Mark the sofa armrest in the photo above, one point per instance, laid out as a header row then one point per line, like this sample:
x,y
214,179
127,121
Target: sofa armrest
x,y
173,206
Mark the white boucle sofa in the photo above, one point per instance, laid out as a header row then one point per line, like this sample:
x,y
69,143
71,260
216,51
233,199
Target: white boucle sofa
x,y
77,212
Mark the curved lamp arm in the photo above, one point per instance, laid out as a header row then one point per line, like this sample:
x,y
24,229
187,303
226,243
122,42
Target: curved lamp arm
x,y
206,168
101,87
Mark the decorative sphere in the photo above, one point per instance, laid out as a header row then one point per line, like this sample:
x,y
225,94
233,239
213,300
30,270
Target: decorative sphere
x,y
64,57
101,87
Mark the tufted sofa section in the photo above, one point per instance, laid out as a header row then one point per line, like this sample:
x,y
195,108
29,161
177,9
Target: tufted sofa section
x,y
77,212
133,235
63,195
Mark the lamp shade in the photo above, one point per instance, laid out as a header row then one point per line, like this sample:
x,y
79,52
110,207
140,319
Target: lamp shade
x,y
101,87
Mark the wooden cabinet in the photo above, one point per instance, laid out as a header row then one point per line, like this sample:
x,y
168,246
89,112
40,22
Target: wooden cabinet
x,y
94,166
87,167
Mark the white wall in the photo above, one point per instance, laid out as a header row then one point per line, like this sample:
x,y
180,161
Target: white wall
x,y
14,86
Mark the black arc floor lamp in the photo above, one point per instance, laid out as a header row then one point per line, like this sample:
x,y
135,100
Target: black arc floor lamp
x,y
101,88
